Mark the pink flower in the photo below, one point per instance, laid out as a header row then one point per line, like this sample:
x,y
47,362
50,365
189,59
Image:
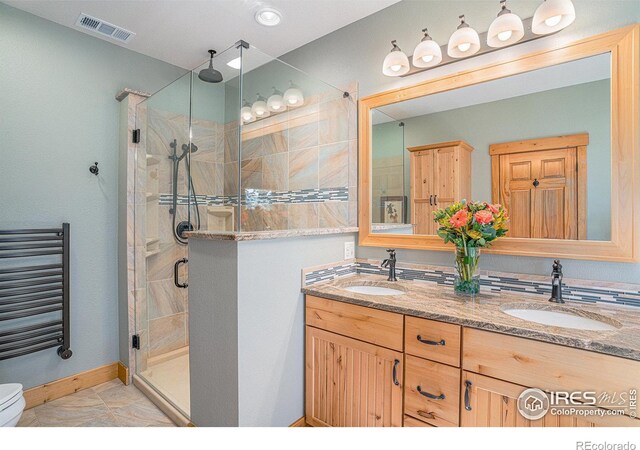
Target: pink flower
x,y
495,209
484,217
459,219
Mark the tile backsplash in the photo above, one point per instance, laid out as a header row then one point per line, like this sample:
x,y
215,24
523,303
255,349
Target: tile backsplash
x,y
491,282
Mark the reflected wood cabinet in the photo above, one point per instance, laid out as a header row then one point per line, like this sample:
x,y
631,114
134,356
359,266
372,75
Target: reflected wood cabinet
x,y
440,176
368,368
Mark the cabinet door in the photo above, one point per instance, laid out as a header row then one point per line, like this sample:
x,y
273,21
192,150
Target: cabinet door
x,y
540,191
445,176
422,182
493,403
349,383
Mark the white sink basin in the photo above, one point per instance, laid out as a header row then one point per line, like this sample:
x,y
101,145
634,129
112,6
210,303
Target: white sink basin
x,y
373,290
559,319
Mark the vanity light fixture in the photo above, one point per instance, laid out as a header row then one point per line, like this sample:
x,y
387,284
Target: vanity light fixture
x,y
552,16
464,41
293,96
245,113
259,107
269,17
275,103
427,53
506,29
396,63
235,63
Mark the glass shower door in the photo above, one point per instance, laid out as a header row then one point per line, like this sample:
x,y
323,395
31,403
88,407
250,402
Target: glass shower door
x,y
161,212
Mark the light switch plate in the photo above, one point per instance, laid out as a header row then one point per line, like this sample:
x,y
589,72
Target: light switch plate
x,y
349,250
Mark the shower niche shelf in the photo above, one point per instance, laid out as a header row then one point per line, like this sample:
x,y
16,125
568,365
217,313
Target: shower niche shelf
x,y
152,160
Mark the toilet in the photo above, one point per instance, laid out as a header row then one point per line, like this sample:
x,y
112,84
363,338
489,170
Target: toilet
x,y
12,404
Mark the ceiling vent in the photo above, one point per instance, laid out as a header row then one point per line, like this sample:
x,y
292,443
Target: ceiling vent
x,y
104,28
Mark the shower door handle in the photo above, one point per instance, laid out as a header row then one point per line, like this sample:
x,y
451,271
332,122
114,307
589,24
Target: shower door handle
x,y
176,268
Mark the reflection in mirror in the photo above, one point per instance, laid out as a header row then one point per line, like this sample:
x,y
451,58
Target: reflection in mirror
x,y
538,142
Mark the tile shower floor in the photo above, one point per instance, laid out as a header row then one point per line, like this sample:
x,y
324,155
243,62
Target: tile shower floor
x,y
171,377
110,404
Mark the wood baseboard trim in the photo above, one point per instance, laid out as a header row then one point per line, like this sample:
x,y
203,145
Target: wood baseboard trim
x,y
47,392
172,413
123,373
301,422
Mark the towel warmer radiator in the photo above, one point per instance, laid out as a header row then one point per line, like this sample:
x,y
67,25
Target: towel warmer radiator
x,y
34,291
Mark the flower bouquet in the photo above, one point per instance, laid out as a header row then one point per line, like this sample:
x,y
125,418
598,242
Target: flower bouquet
x,y
470,226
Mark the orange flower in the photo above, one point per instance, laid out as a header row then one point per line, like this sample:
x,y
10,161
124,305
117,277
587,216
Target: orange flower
x,y
484,217
495,209
459,219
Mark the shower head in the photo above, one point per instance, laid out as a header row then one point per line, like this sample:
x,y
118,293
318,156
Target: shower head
x,y
185,148
210,75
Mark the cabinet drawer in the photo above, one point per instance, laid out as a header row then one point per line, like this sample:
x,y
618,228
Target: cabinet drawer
x,y
425,380
411,422
366,324
550,367
433,340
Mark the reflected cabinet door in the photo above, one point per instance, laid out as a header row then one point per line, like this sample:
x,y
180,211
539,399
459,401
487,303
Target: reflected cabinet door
x,y
440,176
351,383
544,189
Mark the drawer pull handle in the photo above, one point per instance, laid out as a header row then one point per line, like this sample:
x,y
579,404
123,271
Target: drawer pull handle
x,y
395,372
467,402
428,395
428,342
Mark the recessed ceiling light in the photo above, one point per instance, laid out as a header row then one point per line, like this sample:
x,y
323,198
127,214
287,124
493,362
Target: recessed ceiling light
x,y
268,17
235,63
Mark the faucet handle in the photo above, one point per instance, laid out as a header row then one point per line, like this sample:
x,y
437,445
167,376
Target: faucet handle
x,y
392,252
557,267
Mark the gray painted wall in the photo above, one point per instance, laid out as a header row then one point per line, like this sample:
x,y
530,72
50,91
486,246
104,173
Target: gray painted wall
x,y
260,325
59,115
357,51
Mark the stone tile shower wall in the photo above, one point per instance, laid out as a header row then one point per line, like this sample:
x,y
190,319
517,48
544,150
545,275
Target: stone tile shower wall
x,y
298,169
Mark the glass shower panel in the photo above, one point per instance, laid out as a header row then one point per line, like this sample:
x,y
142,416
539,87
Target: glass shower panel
x,y
298,152
161,205
214,129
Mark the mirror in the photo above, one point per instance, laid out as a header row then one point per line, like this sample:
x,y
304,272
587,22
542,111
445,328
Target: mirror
x,y
537,142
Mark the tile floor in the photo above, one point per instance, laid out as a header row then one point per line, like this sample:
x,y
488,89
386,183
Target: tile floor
x,y
111,404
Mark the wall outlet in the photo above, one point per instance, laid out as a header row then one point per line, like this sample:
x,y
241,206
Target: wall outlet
x,y
349,250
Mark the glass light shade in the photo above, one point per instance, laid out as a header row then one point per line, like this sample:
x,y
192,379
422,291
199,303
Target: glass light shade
x,y
396,63
246,115
293,96
506,29
275,103
259,108
427,54
552,16
463,42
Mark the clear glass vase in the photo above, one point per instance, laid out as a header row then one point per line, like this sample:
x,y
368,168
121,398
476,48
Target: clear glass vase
x,y
466,280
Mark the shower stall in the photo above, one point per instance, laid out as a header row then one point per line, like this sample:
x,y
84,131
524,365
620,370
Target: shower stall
x,y
243,143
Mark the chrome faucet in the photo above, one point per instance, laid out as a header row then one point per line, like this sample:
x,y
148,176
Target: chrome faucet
x,y
391,264
556,283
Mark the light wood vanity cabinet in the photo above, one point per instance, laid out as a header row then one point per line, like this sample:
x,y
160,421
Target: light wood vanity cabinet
x,y
367,367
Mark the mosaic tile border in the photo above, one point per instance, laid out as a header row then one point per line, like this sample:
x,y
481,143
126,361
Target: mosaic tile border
x,y
256,197
491,283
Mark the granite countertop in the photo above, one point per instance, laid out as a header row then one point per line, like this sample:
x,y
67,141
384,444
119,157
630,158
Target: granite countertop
x,y
257,235
438,302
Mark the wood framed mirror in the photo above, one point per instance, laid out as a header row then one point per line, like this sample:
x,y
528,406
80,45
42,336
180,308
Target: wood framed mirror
x,y
566,165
